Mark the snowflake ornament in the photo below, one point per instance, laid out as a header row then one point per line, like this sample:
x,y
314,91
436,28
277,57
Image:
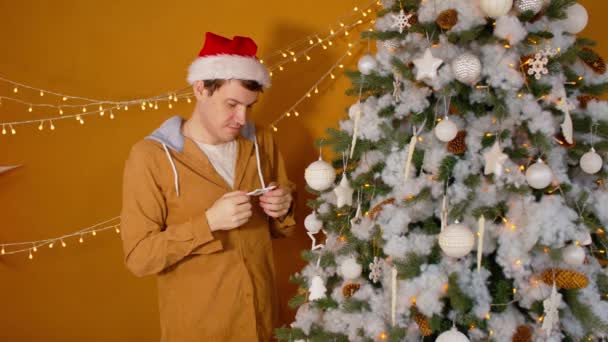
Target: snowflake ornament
x,y
549,52
402,20
538,66
375,268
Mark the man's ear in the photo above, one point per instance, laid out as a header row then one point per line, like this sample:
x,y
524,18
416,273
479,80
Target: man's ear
x,y
198,88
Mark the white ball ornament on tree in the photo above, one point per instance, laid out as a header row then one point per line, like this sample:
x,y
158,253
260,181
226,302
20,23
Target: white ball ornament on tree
x,y
539,175
350,269
529,5
456,240
320,175
573,255
591,162
467,68
495,8
446,130
576,19
312,223
367,64
452,335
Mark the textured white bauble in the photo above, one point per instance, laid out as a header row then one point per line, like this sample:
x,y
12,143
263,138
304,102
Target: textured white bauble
x,y
529,5
574,255
495,8
456,240
591,162
452,335
320,175
366,64
312,223
577,18
466,68
539,175
350,269
446,130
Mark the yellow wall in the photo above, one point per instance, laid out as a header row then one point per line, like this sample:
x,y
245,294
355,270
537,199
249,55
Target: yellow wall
x,y
71,177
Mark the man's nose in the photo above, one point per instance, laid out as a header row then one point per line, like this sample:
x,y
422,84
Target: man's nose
x,y
241,115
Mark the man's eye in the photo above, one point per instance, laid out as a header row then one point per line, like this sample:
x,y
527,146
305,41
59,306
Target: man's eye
x,y
231,104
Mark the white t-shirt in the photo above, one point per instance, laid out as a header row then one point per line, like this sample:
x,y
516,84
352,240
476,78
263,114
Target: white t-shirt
x,y
223,158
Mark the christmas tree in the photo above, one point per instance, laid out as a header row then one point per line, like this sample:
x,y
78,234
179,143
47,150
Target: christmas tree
x,y
467,200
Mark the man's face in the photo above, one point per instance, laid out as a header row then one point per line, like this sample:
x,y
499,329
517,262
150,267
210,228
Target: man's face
x,y
223,113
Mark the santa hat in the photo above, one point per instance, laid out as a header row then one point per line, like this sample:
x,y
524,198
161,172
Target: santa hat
x,y
225,59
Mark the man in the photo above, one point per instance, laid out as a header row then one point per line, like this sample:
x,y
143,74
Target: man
x,y
188,215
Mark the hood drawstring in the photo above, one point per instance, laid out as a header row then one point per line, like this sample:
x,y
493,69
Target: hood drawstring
x,y
175,176
257,158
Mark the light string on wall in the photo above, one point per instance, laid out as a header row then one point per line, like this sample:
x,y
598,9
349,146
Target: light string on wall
x,y
78,107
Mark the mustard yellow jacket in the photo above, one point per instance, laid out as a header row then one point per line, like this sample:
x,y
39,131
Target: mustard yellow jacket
x,y
212,286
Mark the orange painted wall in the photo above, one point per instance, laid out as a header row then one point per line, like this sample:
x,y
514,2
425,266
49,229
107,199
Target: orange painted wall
x,y
71,177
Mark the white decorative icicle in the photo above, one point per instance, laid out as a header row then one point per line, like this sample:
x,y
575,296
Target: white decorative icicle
x,y
480,231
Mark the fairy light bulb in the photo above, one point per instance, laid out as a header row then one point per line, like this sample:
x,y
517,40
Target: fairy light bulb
x,y
332,76
311,42
274,128
150,105
281,68
175,98
170,105
261,61
111,115
52,126
170,97
155,105
288,114
81,239
60,111
31,256
307,57
126,107
15,90
51,244
63,244
3,130
324,47
41,93
102,113
13,131
189,100
295,59
30,109
94,233
284,54
84,109
2,251
117,230
40,127
316,90
296,114
65,98
308,95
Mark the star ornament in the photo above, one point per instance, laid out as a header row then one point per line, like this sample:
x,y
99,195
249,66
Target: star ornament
x,y
344,193
402,20
494,159
427,66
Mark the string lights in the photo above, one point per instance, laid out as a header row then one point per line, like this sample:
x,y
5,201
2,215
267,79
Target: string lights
x,y
67,106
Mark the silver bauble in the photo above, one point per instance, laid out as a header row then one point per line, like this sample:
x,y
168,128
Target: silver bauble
x,y
529,5
367,64
466,68
591,162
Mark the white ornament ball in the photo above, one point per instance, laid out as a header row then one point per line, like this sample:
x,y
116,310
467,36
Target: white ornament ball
x,y
456,240
312,223
320,175
350,269
452,335
446,130
529,5
539,175
591,162
467,68
577,18
495,8
366,64
574,255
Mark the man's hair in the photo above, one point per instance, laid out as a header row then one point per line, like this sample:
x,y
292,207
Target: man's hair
x,y
213,85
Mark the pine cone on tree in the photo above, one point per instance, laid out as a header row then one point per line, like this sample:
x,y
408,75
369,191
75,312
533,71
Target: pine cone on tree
x,y
458,145
447,19
523,334
584,100
350,289
594,61
423,324
565,279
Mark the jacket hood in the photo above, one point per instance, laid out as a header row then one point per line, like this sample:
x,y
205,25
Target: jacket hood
x,y
169,133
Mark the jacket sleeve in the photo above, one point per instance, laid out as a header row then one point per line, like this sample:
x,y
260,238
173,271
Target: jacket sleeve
x,y
285,225
150,246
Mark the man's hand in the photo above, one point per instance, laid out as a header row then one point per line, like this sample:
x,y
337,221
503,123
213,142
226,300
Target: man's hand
x,y
276,203
229,211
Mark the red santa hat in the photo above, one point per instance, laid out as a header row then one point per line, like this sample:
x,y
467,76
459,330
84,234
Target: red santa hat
x,y
225,59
